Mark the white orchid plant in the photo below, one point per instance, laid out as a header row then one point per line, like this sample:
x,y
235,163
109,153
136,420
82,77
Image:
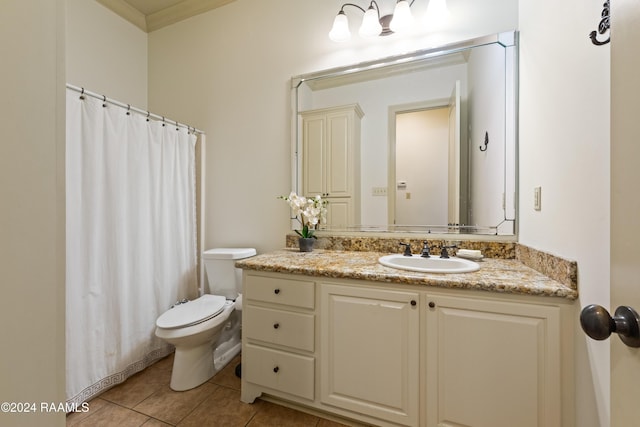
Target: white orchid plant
x,y
309,211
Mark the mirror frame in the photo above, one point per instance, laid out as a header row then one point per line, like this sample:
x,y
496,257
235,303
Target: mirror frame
x,y
506,39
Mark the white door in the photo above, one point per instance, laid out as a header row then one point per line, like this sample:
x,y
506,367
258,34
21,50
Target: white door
x,y
422,166
625,203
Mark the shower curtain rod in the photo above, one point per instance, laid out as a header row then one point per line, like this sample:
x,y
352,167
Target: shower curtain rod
x,y
128,107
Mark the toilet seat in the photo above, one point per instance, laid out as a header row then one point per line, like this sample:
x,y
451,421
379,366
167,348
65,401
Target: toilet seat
x,y
192,312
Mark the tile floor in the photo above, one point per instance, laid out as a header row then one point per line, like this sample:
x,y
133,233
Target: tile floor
x,y
145,399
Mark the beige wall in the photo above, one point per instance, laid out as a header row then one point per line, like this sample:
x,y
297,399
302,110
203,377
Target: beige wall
x,y
564,148
227,72
32,215
105,53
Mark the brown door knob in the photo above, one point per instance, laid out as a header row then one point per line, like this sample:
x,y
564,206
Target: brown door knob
x,y
599,325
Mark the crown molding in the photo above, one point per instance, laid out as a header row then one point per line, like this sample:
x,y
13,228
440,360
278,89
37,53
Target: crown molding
x,y
181,11
163,17
126,11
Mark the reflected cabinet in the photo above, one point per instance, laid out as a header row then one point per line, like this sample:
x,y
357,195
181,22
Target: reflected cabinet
x,y
331,161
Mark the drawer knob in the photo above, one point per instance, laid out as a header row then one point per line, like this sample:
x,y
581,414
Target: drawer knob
x,y
276,291
432,304
413,302
276,369
276,325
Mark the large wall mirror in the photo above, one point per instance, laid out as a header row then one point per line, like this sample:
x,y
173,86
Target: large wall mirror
x,y
431,147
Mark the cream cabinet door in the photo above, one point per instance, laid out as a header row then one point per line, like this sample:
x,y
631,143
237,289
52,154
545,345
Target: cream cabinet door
x,y
330,151
314,155
492,363
370,351
331,161
340,153
339,212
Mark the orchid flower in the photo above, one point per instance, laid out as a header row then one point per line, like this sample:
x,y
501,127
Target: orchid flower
x,y
310,212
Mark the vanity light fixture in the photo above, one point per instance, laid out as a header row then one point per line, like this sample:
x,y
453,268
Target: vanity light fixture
x,y
373,24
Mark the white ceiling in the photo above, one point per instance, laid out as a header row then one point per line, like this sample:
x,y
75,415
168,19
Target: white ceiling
x,y
150,15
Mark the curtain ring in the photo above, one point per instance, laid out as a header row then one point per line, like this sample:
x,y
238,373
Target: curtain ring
x,y
104,101
128,109
82,94
177,127
148,114
163,123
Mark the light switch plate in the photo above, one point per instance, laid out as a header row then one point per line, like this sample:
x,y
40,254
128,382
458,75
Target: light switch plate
x,y
537,198
379,191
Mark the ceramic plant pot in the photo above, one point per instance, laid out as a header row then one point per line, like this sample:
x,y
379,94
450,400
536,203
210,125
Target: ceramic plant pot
x,y
306,244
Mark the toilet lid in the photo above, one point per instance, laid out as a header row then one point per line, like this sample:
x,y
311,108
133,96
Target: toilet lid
x,y
192,312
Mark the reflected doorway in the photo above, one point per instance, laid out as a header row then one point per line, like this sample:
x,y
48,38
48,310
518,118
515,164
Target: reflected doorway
x,y
425,162
422,166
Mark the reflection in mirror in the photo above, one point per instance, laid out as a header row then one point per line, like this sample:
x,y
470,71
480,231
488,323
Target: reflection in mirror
x,y
429,145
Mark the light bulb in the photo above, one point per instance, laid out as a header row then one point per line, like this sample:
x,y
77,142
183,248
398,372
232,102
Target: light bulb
x,y
370,23
437,13
340,30
402,18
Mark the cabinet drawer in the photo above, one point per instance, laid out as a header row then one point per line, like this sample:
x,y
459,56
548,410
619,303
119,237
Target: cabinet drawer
x,y
279,370
296,293
279,327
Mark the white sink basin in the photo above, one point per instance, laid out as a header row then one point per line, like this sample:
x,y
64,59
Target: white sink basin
x,y
433,264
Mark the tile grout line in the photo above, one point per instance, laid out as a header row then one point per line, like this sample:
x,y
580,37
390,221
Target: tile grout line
x,y
198,405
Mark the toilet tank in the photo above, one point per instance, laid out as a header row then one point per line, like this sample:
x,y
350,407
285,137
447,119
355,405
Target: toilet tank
x,y
222,275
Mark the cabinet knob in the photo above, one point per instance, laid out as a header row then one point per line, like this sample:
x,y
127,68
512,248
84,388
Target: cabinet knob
x,y
413,302
432,304
276,325
276,369
276,291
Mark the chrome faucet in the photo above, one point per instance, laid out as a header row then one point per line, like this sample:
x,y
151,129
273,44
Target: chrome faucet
x,y
407,249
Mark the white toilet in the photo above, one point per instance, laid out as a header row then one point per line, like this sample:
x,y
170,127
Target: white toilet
x,y
206,331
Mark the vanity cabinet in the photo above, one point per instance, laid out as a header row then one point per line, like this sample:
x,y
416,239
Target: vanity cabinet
x,y
369,357
278,342
402,355
331,161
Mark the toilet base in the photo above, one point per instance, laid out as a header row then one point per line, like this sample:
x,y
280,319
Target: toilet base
x,y
192,367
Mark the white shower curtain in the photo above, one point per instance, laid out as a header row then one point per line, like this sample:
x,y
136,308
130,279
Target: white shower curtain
x,y
130,238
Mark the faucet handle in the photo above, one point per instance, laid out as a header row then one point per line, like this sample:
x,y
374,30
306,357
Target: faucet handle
x,y
444,253
407,249
425,250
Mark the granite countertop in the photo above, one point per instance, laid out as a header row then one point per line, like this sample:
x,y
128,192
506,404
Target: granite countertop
x,y
495,275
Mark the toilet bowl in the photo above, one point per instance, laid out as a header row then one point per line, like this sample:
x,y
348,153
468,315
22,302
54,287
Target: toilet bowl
x,y
193,328
206,330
